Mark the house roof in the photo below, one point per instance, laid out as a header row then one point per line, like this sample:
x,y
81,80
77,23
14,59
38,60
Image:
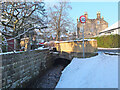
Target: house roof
x,y
112,27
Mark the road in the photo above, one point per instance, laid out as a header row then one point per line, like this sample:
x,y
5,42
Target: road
x,y
109,50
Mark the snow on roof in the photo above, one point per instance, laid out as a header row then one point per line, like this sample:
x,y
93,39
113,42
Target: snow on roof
x,y
74,40
24,38
100,71
63,35
115,25
89,39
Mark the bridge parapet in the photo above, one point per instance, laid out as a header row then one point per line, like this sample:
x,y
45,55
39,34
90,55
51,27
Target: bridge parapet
x,y
90,46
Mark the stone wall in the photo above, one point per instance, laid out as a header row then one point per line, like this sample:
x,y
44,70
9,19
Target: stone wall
x,y
19,68
90,46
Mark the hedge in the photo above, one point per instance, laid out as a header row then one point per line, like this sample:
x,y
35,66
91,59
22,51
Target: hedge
x,y
108,41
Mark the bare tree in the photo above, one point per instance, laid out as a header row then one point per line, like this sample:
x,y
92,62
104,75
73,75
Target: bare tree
x,y
59,20
19,18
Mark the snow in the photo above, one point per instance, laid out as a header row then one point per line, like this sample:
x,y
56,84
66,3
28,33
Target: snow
x,y
74,40
38,32
63,35
89,39
109,48
116,31
41,48
115,25
96,72
11,52
55,52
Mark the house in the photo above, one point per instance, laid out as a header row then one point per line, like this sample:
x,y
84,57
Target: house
x,y
113,29
63,37
92,27
30,39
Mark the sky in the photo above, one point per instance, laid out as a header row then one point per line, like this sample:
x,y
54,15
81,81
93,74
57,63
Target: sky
x,y
109,10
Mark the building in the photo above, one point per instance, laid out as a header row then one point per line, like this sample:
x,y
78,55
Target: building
x,y
29,39
92,27
113,29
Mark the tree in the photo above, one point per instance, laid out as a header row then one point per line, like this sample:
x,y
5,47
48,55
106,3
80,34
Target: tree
x,y
59,21
19,18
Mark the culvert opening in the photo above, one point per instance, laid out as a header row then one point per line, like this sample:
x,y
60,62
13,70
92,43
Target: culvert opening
x,y
61,61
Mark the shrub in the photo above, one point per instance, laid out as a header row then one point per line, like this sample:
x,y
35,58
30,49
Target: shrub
x,y
108,41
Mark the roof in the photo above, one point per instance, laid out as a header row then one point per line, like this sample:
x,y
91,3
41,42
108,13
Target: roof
x,y
112,27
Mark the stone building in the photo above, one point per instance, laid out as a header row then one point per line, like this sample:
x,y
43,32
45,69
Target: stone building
x,y
92,27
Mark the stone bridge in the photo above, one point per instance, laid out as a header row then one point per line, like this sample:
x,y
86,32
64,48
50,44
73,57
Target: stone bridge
x,y
70,56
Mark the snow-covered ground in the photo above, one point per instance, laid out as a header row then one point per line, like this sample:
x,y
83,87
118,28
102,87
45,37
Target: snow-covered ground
x,y
99,48
41,48
11,52
96,72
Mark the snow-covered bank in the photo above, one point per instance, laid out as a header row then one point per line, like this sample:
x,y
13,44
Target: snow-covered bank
x,y
96,72
99,48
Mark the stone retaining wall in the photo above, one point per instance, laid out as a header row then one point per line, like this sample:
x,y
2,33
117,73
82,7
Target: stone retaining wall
x,y
19,68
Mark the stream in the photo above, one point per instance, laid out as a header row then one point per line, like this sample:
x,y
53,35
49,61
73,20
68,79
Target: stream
x,y
51,77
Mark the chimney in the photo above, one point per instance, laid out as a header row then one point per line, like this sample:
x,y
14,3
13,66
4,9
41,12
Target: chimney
x,y
86,15
77,19
98,15
102,17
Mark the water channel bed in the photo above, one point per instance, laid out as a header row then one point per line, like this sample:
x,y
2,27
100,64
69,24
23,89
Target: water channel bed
x,y
49,79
